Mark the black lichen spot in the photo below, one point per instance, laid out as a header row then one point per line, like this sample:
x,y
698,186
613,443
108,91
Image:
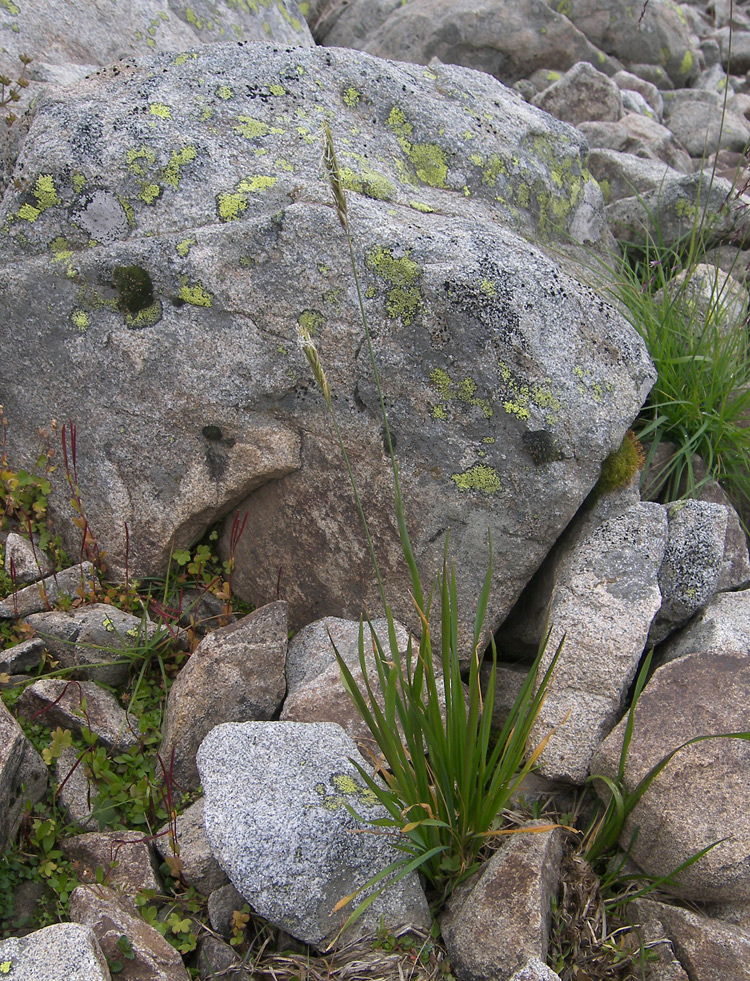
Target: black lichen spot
x,y
135,291
212,432
541,446
216,462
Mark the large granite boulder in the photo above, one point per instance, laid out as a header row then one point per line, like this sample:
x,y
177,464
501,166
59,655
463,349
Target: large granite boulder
x,y
180,246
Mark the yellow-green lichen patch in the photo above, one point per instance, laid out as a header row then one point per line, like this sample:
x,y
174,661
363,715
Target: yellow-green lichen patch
x,y
463,391
351,97
293,22
421,206
230,206
183,247
428,159
80,319
345,787
480,477
311,321
224,92
11,7
277,90
196,295
403,299
518,398
140,160
177,160
161,110
257,183
79,182
283,164
368,182
46,196
147,317
185,56
150,192
251,128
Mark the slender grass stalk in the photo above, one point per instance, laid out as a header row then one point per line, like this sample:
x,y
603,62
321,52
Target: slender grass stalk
x,y
441,779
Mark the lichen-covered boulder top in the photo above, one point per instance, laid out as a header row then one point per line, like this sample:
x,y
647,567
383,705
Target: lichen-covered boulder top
x,y
168,228
97,32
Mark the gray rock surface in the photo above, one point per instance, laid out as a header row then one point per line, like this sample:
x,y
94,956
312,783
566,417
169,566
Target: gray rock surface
x,y
73,583
76,793
228,225
125,857
604,596
506,38
23,775
22,657
198,867
112,916
723,624
695,118
494,925
57,702
315,692
61,952
277,822
693,563
235,674
102,642
582,94
25,561
656,33
708,950
218,959
535,970
702,795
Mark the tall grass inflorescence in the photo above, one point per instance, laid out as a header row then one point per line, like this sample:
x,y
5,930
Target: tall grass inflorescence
x,y
440,777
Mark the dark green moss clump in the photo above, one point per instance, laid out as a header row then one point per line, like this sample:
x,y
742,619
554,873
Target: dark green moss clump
x,y
135,291
620,467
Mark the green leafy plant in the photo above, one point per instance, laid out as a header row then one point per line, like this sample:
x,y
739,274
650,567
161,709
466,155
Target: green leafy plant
x,y
443,784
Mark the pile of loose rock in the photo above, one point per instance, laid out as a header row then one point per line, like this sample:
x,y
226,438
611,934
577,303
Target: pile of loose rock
x,y
170,210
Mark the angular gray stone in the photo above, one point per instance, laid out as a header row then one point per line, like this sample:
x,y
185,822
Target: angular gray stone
x,y
696,119
101,641
76,582
315,692
497,922
76,791
702,795
112,916
656,34
581,95
604,595
693,563
25,562
709,299
235,674
218,959
23,775
57,702
198,867
628,82
708,949
650,140
499,321
505,38
535,970
677,205
622,174
723,624
222,903
276,820
126,858
61,952
22,657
